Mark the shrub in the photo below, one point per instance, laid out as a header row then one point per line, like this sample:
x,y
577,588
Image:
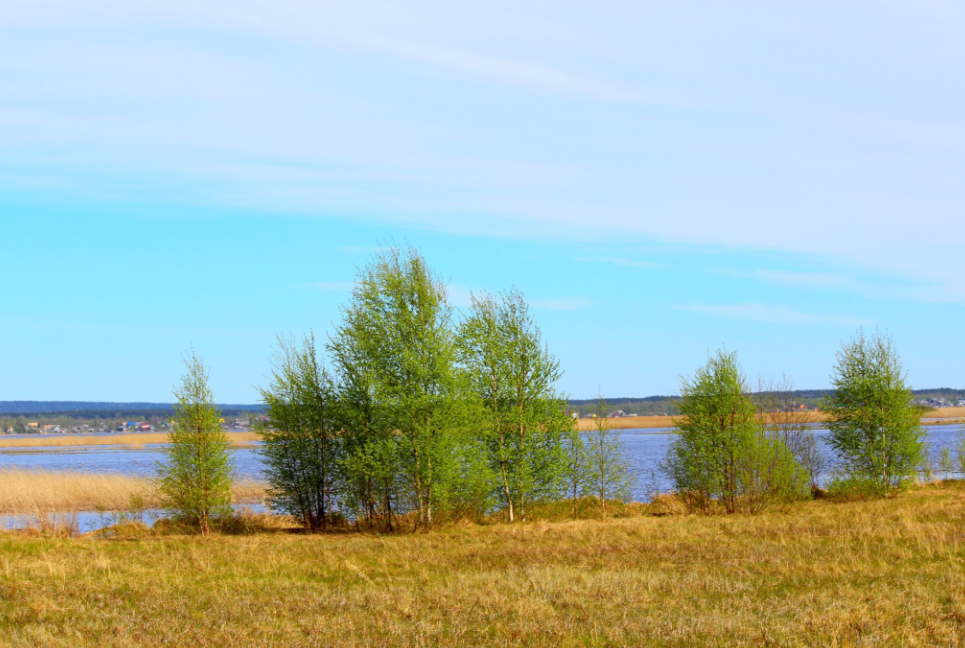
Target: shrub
x,y
722,457
848,488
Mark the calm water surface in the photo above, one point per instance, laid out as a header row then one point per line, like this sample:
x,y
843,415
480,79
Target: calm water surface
x,y
645,448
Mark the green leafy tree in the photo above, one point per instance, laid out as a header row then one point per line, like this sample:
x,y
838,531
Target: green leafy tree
x,y
301,446
195,481
723,454
875,429
401,321
371,447
607,470
523,418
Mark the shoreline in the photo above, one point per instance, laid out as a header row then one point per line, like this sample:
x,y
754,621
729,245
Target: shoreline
x,y
944,416
120,438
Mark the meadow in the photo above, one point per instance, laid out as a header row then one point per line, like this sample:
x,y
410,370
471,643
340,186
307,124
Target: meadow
x,y
888,572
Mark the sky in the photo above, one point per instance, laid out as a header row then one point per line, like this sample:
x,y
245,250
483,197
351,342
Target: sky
x,y
659,179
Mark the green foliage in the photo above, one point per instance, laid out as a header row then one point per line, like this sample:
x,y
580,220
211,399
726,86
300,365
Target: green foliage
x,y
722,456
301,448
523,419
770,474
407,405
848,488
196,479
607,471
875,430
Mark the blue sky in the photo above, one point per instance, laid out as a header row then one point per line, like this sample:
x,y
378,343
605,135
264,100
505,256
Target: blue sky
x,y
660,179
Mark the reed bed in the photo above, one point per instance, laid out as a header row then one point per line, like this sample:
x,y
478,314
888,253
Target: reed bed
x,y
882,573
28,492
132,439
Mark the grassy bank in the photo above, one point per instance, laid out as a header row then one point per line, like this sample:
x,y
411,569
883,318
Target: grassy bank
x,y
888,572
128,439
27,492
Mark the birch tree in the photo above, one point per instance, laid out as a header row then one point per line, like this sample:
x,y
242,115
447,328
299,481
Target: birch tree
x,y
404,322
195,481
875,429
301,445
524,422
607,469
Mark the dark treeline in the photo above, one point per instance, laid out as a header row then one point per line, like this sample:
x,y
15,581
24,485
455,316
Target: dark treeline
x,y
667,405
92,410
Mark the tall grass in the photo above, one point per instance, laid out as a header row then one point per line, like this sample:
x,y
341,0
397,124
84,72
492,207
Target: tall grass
x,y
880,573
30,492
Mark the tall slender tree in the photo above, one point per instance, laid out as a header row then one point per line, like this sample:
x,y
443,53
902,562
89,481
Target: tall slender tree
x,y
608,474
372,448
524,422
195,481
875,429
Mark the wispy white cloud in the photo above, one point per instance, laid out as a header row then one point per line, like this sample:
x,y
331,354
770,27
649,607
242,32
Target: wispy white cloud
x,y
514,71
563,304
628,263
820,279
771,314
333,285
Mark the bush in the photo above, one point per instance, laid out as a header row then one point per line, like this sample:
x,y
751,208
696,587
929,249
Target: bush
x,y
722,457
846,488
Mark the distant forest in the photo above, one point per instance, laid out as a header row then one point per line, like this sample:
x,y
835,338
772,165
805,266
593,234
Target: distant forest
x,y
110,411
665,405
649,406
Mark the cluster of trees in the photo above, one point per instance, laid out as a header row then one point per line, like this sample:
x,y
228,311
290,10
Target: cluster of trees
x,y
408,417
742,453
420,418
414,419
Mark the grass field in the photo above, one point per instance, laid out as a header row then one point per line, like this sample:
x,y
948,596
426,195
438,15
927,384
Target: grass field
x,y
882,573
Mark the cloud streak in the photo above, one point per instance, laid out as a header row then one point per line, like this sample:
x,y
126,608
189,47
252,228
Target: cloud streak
x,y
513,71
771,314
818,279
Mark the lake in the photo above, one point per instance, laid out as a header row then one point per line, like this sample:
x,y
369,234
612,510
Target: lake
x,y
645,449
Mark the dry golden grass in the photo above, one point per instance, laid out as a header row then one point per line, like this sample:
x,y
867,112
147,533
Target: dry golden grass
x,y
946,413
28,492
630,423
146,438
883,573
